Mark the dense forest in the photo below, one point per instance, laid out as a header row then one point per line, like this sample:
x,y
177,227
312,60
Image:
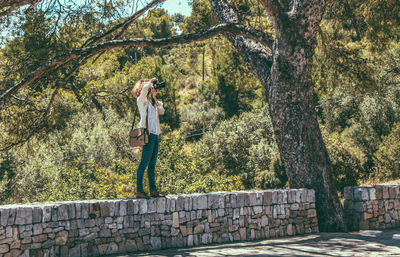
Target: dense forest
x,y
217,131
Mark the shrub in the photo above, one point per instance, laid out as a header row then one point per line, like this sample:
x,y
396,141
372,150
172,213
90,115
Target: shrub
x,y
274,177
347,160
241,146
181,170
387,158
203,113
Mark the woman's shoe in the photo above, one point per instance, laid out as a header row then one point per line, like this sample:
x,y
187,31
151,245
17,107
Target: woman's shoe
x,y
142,195
156,194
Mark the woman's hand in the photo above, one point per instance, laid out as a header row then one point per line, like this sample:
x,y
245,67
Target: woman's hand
x,y
154,80
154,93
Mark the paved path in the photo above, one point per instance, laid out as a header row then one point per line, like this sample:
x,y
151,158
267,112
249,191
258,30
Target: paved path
x,y
365,243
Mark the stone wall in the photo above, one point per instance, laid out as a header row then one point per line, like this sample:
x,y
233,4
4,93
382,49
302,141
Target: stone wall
x,y
90,228
373,207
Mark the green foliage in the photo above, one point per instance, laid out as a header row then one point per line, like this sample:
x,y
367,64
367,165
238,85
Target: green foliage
x,y
241,146
202,17
387,158
348,160
204,113
236,86
274,177
183,171
90,159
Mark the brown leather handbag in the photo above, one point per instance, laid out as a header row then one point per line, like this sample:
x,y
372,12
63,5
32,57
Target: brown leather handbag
x,y
139,136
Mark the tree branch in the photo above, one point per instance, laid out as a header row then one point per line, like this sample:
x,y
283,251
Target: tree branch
x,y
11,5
142,42
254,53
125,24
274,10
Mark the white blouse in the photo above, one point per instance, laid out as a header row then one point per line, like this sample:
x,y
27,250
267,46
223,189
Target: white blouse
x,y
145,107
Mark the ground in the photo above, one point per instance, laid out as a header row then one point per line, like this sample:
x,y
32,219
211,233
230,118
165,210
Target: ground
x,y
380,243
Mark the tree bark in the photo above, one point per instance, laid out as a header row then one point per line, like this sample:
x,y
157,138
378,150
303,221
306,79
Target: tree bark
x,y
287,78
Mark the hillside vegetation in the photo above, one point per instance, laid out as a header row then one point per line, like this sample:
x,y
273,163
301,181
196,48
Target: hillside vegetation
x,y
217,134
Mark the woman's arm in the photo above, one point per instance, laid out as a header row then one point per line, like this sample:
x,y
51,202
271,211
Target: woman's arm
x,y
145,89
143,93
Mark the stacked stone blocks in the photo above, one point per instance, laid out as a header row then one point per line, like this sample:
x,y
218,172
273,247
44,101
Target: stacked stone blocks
x,y
92,228
372,207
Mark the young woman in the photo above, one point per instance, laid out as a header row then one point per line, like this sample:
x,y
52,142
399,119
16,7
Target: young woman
x,y
149,108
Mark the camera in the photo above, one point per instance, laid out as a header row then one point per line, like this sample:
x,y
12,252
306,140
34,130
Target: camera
x,y
158,86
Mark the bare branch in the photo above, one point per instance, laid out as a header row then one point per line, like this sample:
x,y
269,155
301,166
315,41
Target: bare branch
x,y
142,42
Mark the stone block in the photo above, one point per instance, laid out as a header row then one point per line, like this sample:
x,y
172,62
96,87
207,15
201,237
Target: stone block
x,y
264,221
348,193
39,238
359,206
102,249
311,213
240,199
94,210
61,238
123,208
84,210
267,198
274,197
198,229
392,192
257,209
202,202
188,205
172,204
213,200
310,196
175,220
233,200
4,248
242,232
112,248
75,251
155,242
180,201
37,229
236,213
142,206
24,216
11,217
289,230
161,205
385,192
78,210
152,205
62,212
104,209
37,215
4,217
255,198
372,193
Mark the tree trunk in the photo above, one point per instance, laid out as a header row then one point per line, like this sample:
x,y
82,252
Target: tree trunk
x,y
287,78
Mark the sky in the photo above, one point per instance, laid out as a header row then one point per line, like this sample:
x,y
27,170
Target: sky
x,y
177,6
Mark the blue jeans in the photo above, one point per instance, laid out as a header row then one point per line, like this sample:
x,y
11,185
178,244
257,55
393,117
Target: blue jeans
x,y
149,160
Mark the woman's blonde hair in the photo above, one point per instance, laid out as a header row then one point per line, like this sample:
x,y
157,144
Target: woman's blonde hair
x,y
138,87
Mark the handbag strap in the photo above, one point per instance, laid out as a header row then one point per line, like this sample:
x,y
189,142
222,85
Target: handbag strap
x,y
134,118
